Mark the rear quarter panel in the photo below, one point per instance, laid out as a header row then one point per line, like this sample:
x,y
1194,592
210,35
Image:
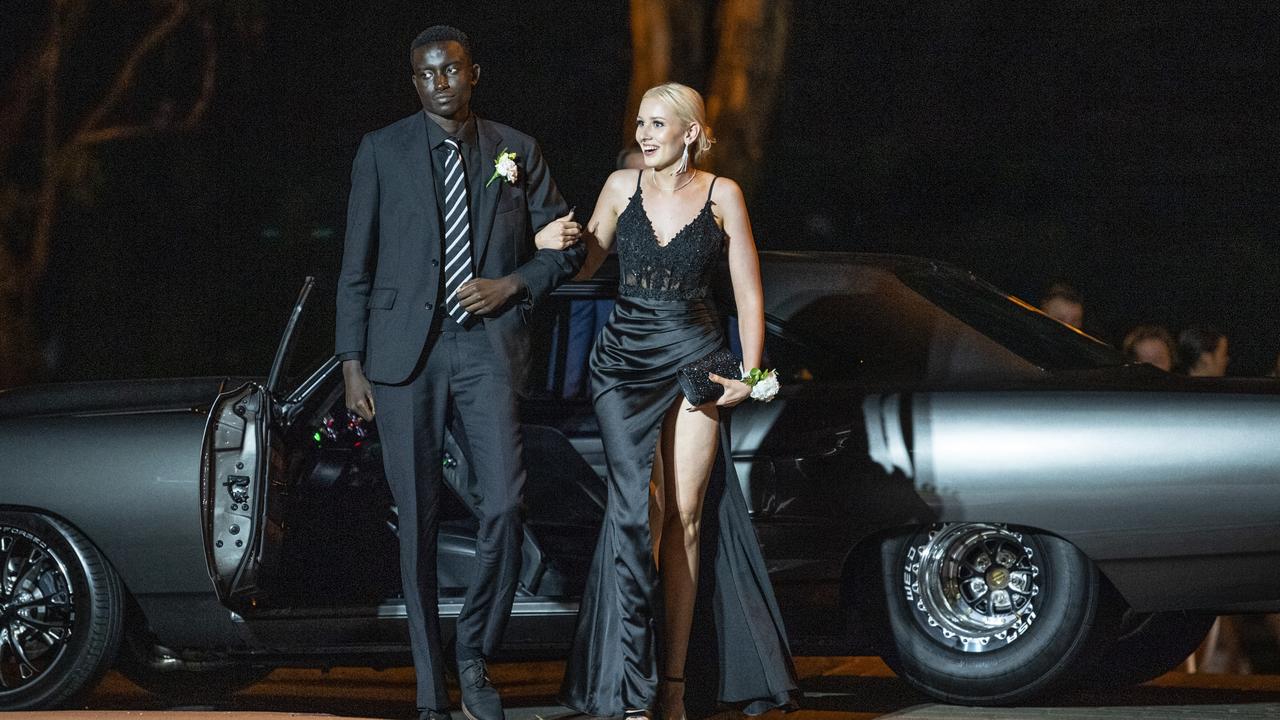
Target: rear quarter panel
x,y
1176,496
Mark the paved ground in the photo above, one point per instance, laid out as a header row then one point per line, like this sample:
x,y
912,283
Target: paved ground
x,y
854,688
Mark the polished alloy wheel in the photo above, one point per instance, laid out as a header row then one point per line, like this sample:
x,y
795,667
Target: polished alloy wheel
x,y
974,585
37,614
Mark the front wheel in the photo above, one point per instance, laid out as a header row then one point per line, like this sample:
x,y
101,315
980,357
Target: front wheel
x,y
61,612
987,614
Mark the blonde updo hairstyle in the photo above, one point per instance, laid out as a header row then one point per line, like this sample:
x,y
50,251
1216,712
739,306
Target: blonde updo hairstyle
x,y
687,104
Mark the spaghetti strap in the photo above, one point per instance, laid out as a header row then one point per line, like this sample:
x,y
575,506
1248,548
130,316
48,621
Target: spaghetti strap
x,y
639,177
712,187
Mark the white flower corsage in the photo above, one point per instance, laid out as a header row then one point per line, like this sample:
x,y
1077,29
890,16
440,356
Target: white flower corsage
x,y
504,166
764,384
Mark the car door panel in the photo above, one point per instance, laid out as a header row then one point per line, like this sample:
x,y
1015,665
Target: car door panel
x,y
239,468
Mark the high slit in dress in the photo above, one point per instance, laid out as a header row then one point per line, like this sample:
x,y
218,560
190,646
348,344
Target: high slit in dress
x,y
738,652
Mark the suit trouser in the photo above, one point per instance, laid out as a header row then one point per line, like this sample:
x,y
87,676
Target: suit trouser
x,y
459,368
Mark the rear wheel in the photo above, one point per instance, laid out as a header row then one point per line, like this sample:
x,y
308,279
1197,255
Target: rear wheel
x,y
61,612
981,613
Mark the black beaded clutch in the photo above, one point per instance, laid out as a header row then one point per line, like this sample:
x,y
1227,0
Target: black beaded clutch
x,y
697,387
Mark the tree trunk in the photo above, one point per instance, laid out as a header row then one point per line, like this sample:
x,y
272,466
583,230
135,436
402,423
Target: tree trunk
x,y
18,358
650,57
732,51
744,85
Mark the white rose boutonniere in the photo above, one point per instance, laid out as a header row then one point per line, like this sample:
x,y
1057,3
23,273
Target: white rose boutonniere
x,y
764,384
504,166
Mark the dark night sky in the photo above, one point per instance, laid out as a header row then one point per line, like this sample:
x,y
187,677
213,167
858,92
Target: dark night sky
x,y
1129,148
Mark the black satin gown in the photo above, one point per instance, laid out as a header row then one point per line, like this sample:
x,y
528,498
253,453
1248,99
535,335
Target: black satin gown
x,y
738,651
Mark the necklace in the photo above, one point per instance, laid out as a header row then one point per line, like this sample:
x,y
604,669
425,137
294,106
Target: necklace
x,y
677,188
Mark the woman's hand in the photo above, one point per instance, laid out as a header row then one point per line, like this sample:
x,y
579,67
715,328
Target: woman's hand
x,y
558,234
735,391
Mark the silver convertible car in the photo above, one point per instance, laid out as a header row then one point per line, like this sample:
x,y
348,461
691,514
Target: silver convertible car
x,y
993,502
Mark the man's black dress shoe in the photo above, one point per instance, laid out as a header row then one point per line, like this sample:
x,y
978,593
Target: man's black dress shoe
x,y
433,715
479,700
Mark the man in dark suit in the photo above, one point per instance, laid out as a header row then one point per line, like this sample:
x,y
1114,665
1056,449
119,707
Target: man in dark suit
x,y
439,272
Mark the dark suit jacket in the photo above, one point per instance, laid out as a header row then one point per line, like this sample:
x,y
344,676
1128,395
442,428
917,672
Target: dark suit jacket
x,y
391,261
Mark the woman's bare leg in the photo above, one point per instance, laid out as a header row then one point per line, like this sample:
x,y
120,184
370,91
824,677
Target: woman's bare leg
x,y
688,446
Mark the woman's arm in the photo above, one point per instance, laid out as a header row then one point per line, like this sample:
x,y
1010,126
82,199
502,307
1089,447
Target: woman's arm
x,y
563,232
744,270
603,225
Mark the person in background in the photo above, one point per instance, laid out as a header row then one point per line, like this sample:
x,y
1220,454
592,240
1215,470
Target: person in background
x,y
1150,344
1063,303
630,158
1202,352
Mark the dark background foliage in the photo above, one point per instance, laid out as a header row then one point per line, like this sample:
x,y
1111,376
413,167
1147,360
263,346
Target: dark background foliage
x,y
1129,148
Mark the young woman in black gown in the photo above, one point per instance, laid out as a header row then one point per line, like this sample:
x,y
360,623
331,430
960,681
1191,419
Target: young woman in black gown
x,y
673,510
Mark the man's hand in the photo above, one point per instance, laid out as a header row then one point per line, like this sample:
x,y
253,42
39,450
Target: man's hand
x,y
359,394
485,296
558,234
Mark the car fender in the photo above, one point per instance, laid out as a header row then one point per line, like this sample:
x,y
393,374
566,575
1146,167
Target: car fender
x,y
130,482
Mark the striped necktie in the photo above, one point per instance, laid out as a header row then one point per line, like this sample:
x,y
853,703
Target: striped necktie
x,y
457,234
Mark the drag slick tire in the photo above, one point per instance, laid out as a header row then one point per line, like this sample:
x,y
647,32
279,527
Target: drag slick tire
x,y
987,614
61,612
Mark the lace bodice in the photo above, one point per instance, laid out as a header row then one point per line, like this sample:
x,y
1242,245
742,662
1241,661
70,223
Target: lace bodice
x,y
679,270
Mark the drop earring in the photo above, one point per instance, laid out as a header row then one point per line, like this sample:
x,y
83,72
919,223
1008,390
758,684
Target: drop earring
x,y
684,160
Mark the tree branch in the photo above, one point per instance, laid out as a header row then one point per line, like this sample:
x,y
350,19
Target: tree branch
x,y
208,77
28,277
13,115
208,81
49,78
42,237
9,273
115,132
124,79
67,16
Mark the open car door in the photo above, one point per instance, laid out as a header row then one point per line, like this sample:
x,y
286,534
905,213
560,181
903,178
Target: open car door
x,y
242,468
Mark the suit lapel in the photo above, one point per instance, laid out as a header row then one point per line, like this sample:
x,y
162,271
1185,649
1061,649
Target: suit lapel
x,y
417,153
486,204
